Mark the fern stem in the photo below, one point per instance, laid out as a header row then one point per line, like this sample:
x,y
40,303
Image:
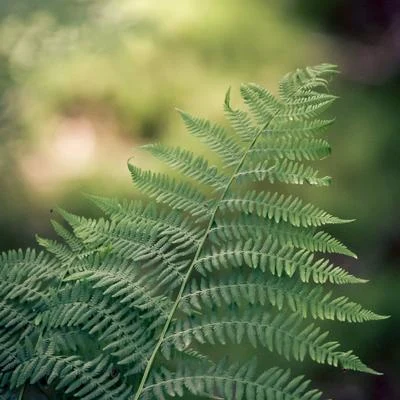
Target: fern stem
x,y
21,393
194,261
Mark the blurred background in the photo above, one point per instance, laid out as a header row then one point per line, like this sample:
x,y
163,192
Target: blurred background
x,y
82,82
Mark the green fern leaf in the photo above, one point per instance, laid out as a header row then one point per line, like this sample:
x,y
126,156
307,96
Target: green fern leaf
x,y
284,334
282,171
225,381
215,137
279,208
163,189
249,226
195,167
117,307
291,148
279,292
267,255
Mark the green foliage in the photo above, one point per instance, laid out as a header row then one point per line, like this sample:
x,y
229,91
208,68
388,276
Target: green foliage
x,y
122,307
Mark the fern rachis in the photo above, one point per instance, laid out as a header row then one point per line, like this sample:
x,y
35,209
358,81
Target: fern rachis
x,y
119,310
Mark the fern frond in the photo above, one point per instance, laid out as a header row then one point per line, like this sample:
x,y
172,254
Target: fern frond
x,y
261,103
286,335
75,245
306,82
67,340
18,263
102,311
9,350
214,136
120,332
240,121
310,98
267,255
297,129
250,226
68,260
188,164
17,318
116,278
174,224
180,196
140,245
279,292
303,110
292,148
278,207
282,171
17,287
83,379
24,278
224,381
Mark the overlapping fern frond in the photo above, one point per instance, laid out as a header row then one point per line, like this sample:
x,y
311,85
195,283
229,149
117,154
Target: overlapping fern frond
x,y
126,306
